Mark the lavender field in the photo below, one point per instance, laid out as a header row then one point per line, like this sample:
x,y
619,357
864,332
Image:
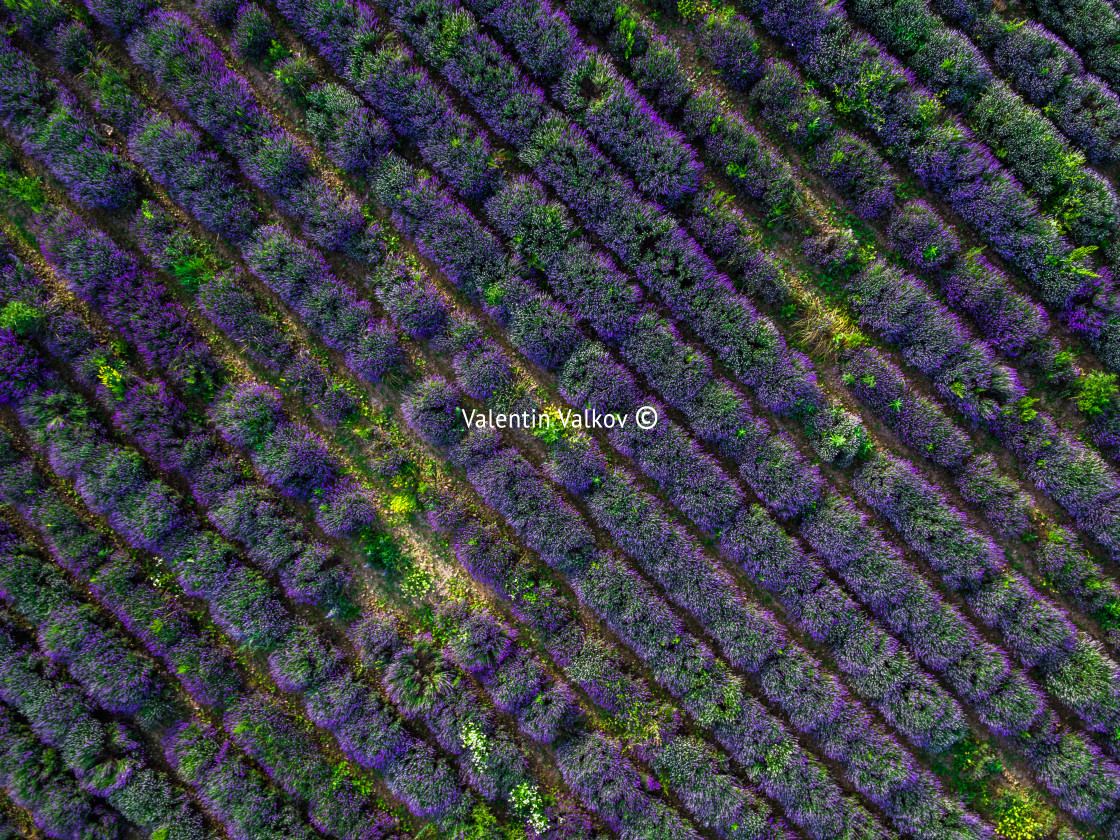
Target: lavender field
x,y
560,420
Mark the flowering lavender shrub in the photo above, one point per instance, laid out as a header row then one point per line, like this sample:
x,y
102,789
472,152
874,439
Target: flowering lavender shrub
x,y
922,237
196,178
253,31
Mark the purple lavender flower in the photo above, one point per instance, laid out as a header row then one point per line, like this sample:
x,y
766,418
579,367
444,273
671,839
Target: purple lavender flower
x,y
21,369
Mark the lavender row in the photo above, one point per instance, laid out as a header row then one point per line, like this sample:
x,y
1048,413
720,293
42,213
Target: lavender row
x,y
735,242
419,680
172,150
116,677
274,738
521,484
421,674
224,105
465,268
235,792
923,426
165,335
518,684
424,686
526,30
106,758
252,614
844,160
269,156
671,558
232,411
120,681
899,308
206,673
290,261
252,415
233,214
289,663
167,338
228,785
241,315
740,815
539,716
90,262
898,125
